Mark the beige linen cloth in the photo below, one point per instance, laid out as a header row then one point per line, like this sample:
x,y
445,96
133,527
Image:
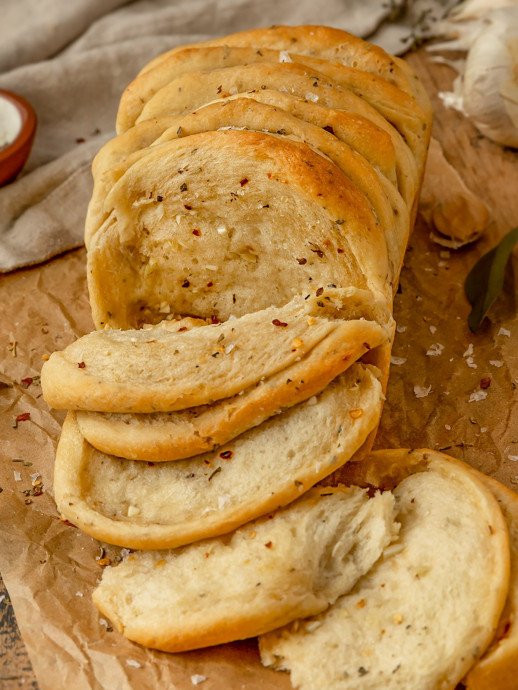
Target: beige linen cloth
x,y
72,59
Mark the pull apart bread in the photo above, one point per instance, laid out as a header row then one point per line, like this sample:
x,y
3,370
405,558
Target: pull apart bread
x,y
245,237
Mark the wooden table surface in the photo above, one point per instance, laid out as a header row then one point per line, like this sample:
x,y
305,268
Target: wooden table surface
x,y
465,149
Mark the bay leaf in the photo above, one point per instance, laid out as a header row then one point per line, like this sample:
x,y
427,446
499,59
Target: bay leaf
x,y
485,280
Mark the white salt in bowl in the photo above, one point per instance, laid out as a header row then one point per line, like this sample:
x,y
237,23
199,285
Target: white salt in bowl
x,y
17,130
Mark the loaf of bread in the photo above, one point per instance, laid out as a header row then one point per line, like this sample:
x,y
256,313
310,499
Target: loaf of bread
x,y
152,506
429,608
287,565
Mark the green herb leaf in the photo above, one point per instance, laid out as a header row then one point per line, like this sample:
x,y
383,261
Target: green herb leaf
x,y
486,278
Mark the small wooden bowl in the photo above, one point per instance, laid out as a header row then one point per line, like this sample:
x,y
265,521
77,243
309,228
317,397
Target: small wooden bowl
x,y
14,155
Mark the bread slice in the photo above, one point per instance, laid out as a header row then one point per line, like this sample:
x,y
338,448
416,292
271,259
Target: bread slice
x,y
162,436
330,87
429,608
290,564
168,504
497,669
395,105
167,368
384,198
199,223
323,42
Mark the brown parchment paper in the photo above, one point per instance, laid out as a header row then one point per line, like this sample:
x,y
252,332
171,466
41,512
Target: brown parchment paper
x,y
50,568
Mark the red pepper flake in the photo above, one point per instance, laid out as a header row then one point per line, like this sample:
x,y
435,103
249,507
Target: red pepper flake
x,y
276,322
187,207
219,88
226,454
159,197
207,554
210,284
320,291
151,464
329,129
485,382
81,365
339,250
214,319
302,261
268,544
183,328
185,283
80,140
196,232
244,181
25,383
23,417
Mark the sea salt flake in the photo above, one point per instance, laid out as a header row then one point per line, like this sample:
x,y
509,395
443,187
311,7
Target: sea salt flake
x,y
104,622
401,329
504,331
447,427
196,679
397,361
496,363
79,594
514,458
435,350
284,56
17,476
34,476
132,662
312,97
471,363
433,330
469,351
422,391
477,395
483,429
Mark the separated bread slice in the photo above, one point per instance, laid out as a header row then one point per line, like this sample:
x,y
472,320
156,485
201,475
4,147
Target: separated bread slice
x,y
290,564
323,42
497,669
199,223
165,436
164,505
429,608
169,368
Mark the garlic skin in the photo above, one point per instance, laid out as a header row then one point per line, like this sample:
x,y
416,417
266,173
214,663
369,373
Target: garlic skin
x,y
486,89
490,82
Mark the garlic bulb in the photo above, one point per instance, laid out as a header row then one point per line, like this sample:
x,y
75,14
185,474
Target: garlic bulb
x,y
490,82
487,88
